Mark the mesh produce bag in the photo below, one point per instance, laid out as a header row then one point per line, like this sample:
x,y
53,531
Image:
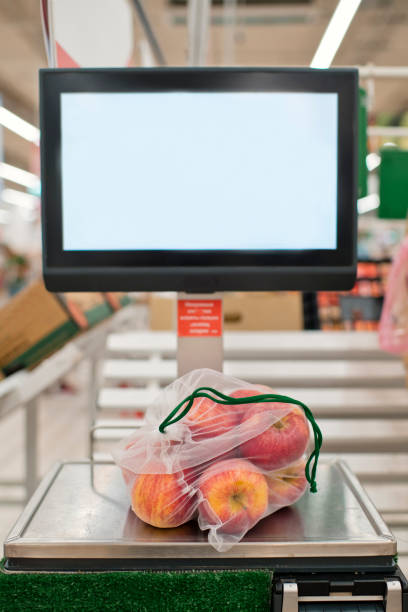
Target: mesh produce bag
x,y
393,329
219,450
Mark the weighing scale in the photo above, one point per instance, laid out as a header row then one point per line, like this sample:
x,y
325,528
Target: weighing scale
x,y
330,549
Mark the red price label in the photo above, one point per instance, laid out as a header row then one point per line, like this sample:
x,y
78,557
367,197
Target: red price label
x,y
199,318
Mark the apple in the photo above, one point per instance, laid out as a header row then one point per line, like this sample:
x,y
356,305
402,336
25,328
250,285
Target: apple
x,y
260,390
238,393
286,486
243,408
207,419
138,452
163,500
234,496
193,474
283,442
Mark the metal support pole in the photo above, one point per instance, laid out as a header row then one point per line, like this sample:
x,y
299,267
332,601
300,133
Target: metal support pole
x,y
199,332
388,131
198,21
92,400
383,72
31,446
230,20
153,42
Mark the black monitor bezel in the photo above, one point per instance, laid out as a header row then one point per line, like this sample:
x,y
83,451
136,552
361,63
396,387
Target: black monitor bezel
x,y
196,268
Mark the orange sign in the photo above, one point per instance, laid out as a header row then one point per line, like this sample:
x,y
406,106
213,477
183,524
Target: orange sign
x,y
199,318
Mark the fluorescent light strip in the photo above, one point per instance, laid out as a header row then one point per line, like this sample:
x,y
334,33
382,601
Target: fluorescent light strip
x,y
21,177
19,198
15,124
373,160
335,32
370,202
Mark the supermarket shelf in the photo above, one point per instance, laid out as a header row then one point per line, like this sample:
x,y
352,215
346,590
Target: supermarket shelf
x,y
353,403
301,373
246,344
379,435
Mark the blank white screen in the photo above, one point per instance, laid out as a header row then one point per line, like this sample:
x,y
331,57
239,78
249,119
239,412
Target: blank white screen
x,y
201,171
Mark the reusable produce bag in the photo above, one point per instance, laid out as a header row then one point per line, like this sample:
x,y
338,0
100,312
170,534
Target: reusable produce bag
x,y
219,450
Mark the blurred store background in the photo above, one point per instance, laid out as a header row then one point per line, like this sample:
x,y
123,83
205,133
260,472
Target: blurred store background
x,y
249,33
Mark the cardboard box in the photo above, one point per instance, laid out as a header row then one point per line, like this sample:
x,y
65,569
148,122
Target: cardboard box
x,y
162,312
32,326
280,311
242,311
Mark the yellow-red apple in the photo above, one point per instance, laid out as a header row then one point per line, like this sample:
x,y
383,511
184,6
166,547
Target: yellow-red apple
x,y
163,500
283,442
140,452
193,474
207,419
286,486
243,408
234,496
260,390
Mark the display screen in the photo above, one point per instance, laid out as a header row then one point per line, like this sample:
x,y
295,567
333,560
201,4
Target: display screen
x,y
197,171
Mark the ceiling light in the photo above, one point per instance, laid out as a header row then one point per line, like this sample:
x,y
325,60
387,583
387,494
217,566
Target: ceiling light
x,y
15,124
370,202
335,32
19,198
16,175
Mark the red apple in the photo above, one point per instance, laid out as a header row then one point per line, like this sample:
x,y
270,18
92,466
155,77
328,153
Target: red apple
x,y
207,419
260,390
163,500
193,474
234,496
286,486
283,442
243,408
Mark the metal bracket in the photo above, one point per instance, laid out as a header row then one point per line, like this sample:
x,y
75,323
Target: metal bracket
x,y
393,597
290,597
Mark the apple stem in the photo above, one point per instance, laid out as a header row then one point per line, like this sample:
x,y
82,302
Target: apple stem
x,y
227,400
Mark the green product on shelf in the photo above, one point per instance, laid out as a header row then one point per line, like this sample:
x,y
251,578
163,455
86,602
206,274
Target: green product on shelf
x,y
362,143
393,184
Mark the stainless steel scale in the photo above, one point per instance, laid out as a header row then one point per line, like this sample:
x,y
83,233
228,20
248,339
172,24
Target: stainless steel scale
x,y
329,547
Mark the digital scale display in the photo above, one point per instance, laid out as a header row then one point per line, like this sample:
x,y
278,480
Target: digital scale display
x,y
200,171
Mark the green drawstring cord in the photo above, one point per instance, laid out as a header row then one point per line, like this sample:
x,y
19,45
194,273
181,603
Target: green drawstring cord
x,y
226,400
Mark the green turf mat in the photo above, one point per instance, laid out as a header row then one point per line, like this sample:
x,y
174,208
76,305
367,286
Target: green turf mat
x,y
201,591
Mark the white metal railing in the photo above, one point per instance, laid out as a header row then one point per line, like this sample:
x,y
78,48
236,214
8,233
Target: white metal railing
x,y
24,388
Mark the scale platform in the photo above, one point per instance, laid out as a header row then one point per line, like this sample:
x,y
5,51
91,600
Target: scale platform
x,y
80,518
